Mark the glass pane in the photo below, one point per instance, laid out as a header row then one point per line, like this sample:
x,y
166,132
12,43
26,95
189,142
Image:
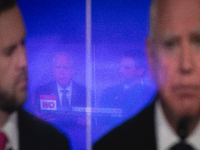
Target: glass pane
x,y
119,29
122,83
56,36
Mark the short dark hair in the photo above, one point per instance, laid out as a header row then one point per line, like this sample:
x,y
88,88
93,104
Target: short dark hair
x,y
6,4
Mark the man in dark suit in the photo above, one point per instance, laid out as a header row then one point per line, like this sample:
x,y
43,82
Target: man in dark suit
x,y
66,109
75,95
171,122
126,96
18,129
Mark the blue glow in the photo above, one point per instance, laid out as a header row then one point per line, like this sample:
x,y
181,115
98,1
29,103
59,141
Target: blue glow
x,y
117,26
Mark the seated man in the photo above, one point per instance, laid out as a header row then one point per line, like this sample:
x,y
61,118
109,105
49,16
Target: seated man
x,y
67,92
60,100
127,97
18,129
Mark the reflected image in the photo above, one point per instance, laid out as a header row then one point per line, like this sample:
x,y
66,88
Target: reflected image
x,y
126,88
126,96
59,100
56,51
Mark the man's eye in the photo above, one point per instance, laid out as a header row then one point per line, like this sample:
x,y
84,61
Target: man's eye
x,y
9,51
23,42
169,44
196,41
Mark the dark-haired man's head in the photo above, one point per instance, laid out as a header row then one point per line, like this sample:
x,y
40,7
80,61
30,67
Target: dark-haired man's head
x,y
132,66
7,4
13,61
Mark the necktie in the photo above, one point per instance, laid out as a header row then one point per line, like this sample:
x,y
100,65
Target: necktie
x,y
182,146
65,102
3,141
182,133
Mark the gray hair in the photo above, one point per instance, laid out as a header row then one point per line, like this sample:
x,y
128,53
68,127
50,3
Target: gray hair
x,y
153,12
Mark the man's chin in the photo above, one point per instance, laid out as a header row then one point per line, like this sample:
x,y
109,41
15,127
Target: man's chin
x,y
64,84
21,95
14,104
191,114
188,107
9,108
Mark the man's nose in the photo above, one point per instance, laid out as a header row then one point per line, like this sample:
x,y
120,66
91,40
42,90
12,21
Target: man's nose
x,y
22,58
186,59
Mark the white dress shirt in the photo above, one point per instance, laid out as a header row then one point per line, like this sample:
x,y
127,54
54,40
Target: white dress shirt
x,y
11,130
166,136
69,93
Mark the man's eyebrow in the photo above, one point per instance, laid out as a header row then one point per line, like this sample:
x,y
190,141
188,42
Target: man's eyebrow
x,y
165,36
11,46
196,32
168,36
14,45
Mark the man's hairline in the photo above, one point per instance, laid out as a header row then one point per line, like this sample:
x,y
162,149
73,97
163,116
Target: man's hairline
x,y
8,7
152,19
63,54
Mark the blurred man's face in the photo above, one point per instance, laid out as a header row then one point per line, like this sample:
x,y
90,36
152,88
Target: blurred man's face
x,y
174,56
128,71
63,69
13,62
